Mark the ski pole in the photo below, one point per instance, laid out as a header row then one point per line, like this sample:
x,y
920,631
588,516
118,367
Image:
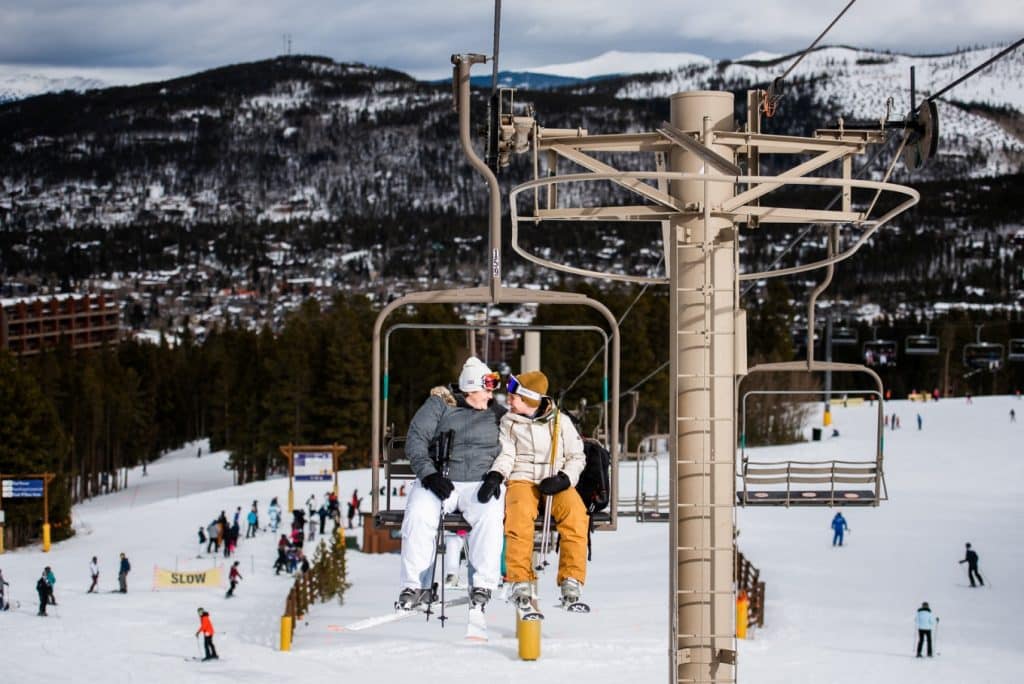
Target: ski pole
x,y
546,529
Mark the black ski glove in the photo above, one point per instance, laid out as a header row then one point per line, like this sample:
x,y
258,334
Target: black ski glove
x,y
491,488
439,484
554,484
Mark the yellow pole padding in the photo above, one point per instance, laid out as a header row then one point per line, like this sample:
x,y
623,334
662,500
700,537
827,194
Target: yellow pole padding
x,y
742,605
46,537
286,633
291,500
828,416
528,635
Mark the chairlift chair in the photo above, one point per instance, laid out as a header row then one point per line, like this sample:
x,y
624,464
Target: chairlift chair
x,y
805,482
1016,352
921,345
844,337
986,356
880,353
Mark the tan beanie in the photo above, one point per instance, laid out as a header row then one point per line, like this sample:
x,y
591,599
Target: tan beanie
x,y
535,381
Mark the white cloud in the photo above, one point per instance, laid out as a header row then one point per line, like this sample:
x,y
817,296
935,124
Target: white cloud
x,y
419,35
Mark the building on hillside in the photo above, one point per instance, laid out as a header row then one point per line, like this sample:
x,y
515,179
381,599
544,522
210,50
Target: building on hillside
x,y
29,325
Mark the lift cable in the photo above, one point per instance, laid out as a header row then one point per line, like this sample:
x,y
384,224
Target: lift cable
x,y
561,395
494,55
975,70
773,95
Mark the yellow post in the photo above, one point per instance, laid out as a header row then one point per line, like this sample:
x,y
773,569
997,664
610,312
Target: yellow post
x,y
286,633
1,538
528,636
46,537
742,605
828,415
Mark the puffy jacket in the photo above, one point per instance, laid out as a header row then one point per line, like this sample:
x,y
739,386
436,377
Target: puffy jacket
x,y
205,626
475,443
839,523
252,517
526,448
925,619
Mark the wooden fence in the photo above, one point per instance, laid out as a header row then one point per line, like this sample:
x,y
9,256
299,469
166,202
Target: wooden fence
x,y
748,580
325,580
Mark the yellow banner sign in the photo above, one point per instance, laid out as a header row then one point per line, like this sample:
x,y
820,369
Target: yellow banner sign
x,y
184,579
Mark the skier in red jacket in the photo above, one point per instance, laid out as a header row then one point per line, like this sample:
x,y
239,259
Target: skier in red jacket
x,y
206,627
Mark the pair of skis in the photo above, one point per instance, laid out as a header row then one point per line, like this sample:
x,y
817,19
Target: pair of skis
x,y
476,627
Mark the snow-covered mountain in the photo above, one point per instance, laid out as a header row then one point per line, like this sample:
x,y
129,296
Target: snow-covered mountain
x,y
19,81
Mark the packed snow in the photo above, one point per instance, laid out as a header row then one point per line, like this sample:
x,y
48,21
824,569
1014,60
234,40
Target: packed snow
x,y
834,614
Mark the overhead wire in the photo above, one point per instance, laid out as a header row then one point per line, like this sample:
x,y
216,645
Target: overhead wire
x,y
600,350
772,96
975,70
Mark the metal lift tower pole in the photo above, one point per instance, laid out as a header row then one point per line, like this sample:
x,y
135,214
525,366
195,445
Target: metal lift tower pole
x,y
703,364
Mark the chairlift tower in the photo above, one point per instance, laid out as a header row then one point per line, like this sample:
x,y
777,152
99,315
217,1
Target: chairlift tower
x,y
701,196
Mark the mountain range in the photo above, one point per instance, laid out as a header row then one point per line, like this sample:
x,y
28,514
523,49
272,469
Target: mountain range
x,y
304,157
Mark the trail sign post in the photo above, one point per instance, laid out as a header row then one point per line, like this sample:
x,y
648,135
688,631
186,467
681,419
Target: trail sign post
x,y
311,463
33,486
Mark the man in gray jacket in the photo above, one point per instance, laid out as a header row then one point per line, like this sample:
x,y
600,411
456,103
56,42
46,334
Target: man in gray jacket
x,y
470,413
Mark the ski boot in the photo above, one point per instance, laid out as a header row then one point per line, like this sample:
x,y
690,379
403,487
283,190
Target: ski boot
x,y
521,595
479,597
571,592
411,599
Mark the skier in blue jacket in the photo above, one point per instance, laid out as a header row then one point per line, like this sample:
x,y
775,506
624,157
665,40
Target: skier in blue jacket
x,y
838,527
925,622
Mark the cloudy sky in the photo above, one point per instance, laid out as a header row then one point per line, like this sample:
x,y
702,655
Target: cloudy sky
x,y
418,36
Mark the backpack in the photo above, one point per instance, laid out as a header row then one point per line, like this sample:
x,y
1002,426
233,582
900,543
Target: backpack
x,y
593,483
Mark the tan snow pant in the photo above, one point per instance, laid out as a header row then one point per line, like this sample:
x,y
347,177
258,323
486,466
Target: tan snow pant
x,y
522,501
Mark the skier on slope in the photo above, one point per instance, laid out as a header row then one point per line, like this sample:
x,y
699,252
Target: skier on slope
x,y
469,411
274,511
52,579
122,574
94,572
4,604
43,589
839,526
234,577
537,461
971,558
925,622
206,628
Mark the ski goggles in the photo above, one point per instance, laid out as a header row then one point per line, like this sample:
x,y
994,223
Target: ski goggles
x,y
515,387
490,382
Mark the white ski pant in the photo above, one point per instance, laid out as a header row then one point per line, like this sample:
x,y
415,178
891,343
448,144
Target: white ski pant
x,y
419,534
453,551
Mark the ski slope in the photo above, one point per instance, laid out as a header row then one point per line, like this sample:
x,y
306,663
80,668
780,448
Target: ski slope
x,y
833,614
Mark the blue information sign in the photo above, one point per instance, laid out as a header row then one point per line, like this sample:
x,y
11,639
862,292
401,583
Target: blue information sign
x,y
18,489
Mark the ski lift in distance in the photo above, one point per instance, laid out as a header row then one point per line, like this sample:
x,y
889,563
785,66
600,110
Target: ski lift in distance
x,y
1016,351
880,353
921,345
985,356
844,336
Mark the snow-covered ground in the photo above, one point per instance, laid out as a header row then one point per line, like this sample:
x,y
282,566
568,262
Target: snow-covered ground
x,y
833,614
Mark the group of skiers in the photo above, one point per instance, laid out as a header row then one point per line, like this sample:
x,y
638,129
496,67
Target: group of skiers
x,y
499,466
925,621
220,534
48,580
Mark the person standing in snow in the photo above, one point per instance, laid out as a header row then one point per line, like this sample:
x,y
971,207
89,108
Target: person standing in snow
x,y
253,519
971,558
52,580
468,410
541,455
43,589
122,574
919,422
1013,416
322,514
206,629
94,572
4,605
274,511
839,526
234,577
925,622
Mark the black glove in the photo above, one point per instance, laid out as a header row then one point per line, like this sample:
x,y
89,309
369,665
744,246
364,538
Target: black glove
x,y
554,484
439,484
491,488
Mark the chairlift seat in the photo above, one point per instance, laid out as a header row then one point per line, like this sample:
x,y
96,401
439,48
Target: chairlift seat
x,y
772,483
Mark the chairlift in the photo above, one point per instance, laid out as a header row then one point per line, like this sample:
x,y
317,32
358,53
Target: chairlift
x,y
921,345
844,337
983,356
880,353
806,482
1016,352
986,356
